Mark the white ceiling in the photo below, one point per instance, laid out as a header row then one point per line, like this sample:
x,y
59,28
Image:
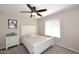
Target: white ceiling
x,y
16,8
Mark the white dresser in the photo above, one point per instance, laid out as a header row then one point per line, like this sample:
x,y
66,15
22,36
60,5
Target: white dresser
x,y
11,41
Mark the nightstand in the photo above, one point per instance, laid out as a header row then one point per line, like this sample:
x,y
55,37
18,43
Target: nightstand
x,y
12,40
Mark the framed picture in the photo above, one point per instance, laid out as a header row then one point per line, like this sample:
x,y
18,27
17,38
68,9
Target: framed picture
x,y
12,24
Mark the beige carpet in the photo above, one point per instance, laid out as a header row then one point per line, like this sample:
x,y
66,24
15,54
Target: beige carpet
x,y
22,50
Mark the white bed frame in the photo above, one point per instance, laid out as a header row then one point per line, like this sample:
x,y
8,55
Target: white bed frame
x,y
35,49
42,46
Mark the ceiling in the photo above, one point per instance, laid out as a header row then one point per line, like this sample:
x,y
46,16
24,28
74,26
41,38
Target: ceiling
x,y
16,8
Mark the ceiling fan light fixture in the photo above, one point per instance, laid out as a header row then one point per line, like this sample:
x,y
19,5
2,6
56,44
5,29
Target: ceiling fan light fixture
x,y
34,14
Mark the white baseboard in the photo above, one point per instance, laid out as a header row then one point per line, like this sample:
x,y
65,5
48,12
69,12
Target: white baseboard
x,y
68,48
2,47
5,47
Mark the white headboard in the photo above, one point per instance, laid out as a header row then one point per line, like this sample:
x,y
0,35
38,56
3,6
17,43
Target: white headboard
x,y
28,29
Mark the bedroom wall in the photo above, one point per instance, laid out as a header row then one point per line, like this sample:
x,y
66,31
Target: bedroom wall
x,y
69,28
4,25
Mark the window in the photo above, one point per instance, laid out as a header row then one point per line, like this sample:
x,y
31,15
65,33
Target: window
x,y
52,27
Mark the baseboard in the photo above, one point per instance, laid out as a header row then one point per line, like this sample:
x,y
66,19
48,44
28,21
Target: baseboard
x,y
68,48
1,48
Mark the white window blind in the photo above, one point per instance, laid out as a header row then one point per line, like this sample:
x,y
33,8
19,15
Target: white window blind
x,y
52,27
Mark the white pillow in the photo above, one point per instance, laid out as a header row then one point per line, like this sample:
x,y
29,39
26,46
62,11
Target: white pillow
x,y
31,35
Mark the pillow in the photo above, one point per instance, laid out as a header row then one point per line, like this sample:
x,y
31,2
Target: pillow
x,y
31,35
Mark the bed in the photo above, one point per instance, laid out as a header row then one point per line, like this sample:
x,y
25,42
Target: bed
x,y
35,43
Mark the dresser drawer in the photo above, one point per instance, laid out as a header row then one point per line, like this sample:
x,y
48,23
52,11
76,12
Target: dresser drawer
x,y
9,44
13,39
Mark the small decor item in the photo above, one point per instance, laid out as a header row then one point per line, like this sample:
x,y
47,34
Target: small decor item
x,y
12,24
11,34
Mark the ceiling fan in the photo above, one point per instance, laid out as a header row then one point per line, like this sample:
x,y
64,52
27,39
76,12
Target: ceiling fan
x,y
33,10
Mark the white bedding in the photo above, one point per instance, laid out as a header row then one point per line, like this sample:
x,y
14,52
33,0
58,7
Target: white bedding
x,y
34,43
34,40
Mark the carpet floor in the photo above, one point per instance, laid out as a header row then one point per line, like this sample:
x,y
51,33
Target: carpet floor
x,y
22,50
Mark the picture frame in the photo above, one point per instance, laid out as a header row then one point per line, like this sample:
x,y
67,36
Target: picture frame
x,y
12,24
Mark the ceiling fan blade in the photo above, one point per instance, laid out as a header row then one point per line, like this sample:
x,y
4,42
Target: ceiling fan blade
x,y
30,7
42,10
25,11
39,14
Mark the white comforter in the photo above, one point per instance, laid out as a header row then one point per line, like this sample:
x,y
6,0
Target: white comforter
x,y
34,43
35,40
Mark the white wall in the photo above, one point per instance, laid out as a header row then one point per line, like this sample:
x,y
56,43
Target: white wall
x,y
4,25
69,27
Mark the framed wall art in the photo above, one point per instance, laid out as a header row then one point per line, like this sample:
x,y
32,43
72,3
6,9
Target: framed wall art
x,y
12,24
